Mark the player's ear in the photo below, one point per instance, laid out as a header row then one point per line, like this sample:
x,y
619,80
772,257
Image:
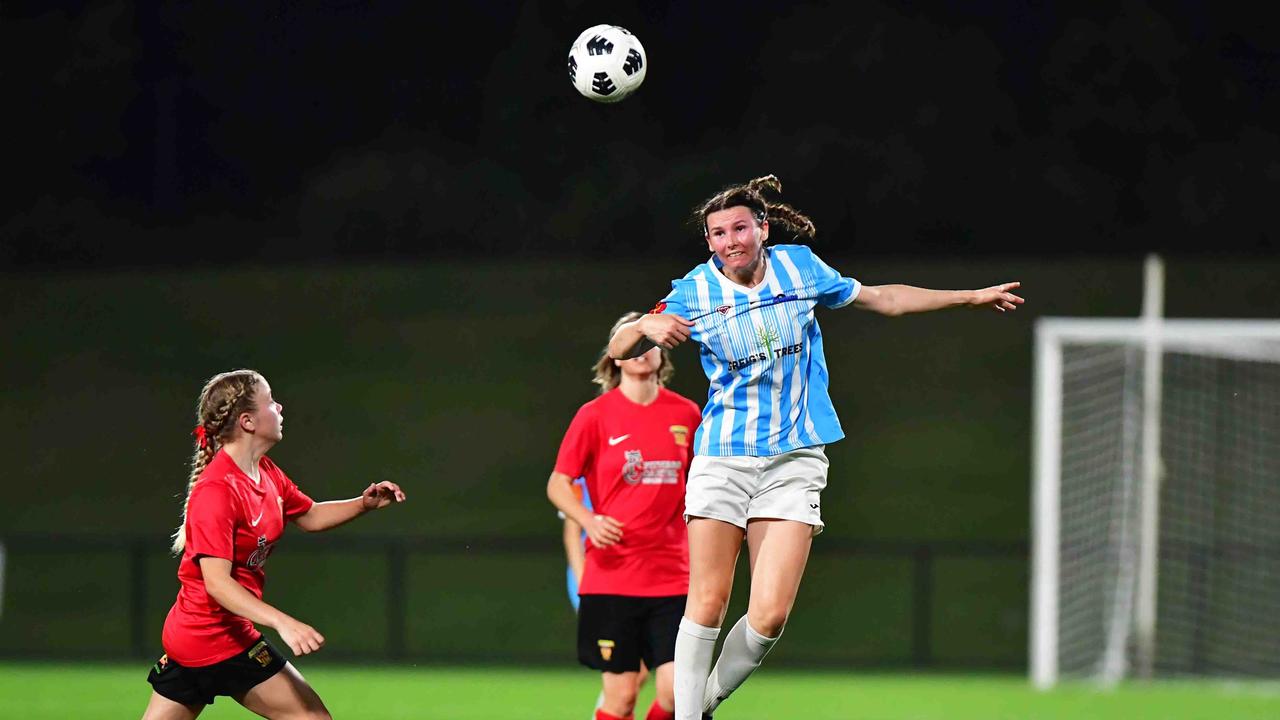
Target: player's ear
x,y
764,231
245,421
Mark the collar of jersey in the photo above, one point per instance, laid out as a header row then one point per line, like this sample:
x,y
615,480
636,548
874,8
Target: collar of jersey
x,y
714,266
259,488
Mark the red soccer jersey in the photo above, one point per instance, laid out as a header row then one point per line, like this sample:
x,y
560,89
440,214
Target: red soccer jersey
x,y
230,517
635,458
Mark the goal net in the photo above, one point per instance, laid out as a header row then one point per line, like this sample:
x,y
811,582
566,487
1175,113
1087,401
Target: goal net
x,y
1156,528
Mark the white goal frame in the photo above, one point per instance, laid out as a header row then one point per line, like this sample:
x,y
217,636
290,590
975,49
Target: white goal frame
x,y
1229,338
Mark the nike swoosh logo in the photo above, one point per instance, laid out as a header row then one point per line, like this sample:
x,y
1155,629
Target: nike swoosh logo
x,y
254,522
615,440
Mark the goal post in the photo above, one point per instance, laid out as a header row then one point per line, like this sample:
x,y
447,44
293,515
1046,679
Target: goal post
x,y
1155,539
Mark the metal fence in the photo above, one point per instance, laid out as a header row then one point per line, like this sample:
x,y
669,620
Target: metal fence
x,y
436,599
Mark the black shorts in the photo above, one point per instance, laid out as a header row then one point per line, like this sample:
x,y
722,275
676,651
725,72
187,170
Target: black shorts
x,y
234,676
616,632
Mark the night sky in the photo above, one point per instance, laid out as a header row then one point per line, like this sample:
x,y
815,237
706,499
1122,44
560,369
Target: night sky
x,y
172,133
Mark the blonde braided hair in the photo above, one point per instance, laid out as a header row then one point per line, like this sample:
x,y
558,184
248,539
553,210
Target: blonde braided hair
x,y
222,400
751,196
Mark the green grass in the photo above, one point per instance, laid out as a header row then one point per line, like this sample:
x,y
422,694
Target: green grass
x,y
40,691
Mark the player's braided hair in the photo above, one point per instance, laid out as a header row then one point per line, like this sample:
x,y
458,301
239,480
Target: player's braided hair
x,y
608,374
751,196
222,400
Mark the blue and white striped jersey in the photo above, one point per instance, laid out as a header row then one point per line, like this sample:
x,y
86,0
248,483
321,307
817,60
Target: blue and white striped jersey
x,y
761,349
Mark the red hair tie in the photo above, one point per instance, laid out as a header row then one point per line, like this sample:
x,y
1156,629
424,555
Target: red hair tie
x,y
201,439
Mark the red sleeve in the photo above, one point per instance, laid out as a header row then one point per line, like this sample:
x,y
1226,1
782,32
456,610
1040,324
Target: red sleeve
x,y
295,502
578,449
211,521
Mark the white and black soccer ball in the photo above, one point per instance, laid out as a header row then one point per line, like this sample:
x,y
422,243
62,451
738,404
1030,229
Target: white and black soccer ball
x,y
607,63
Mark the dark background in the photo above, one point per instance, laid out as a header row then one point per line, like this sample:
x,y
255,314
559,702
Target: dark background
x,y
184,132
406,218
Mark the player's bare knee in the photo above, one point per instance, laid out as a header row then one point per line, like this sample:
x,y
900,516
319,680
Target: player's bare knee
x,y
768,622
707,609
623,699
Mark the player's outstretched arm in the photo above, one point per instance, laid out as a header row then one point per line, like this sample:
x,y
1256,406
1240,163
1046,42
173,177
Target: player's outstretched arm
x,y
894,300
637,337
331,514
234,598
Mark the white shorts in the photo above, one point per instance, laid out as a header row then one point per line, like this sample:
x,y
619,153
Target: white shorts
x,y
739,488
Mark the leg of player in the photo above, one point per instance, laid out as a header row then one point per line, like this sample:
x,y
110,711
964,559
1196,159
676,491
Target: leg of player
x,y
285,695
664,700
713,553
162,708
619,696
642,677
779,550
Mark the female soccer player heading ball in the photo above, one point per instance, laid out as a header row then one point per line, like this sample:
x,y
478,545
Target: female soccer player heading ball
x,y
238,502
759,468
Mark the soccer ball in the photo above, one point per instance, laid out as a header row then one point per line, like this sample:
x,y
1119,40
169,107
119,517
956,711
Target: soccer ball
x,y
606,63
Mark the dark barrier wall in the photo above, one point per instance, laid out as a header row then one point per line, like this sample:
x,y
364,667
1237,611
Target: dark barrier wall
x,y
457,380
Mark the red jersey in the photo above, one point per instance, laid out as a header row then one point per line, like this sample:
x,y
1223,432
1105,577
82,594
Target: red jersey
x,y
230,517
635,458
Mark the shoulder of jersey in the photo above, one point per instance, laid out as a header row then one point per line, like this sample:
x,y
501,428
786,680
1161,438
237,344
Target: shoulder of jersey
x,y
214,477
795,251
699,270
594,403
677,398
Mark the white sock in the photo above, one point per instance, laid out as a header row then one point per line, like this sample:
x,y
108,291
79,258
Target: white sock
x,y
695,644
741,654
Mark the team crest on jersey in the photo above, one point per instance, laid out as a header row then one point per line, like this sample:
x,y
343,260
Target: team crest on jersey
x,y
724,309
681,434
606,649
261,653
765,338
258,557
162,664
633,469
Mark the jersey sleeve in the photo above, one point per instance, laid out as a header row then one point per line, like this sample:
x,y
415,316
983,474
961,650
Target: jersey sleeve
x,y
673,303
578,448
833,289
294,502
211,522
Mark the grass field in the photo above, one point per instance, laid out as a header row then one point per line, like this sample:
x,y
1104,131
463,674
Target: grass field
x,y
88,692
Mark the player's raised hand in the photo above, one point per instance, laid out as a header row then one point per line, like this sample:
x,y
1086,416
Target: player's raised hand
x,y
998,297
666,331
603,530
301,638
380,495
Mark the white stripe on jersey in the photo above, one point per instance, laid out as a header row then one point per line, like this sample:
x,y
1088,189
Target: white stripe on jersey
x,y
798,384
716,374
